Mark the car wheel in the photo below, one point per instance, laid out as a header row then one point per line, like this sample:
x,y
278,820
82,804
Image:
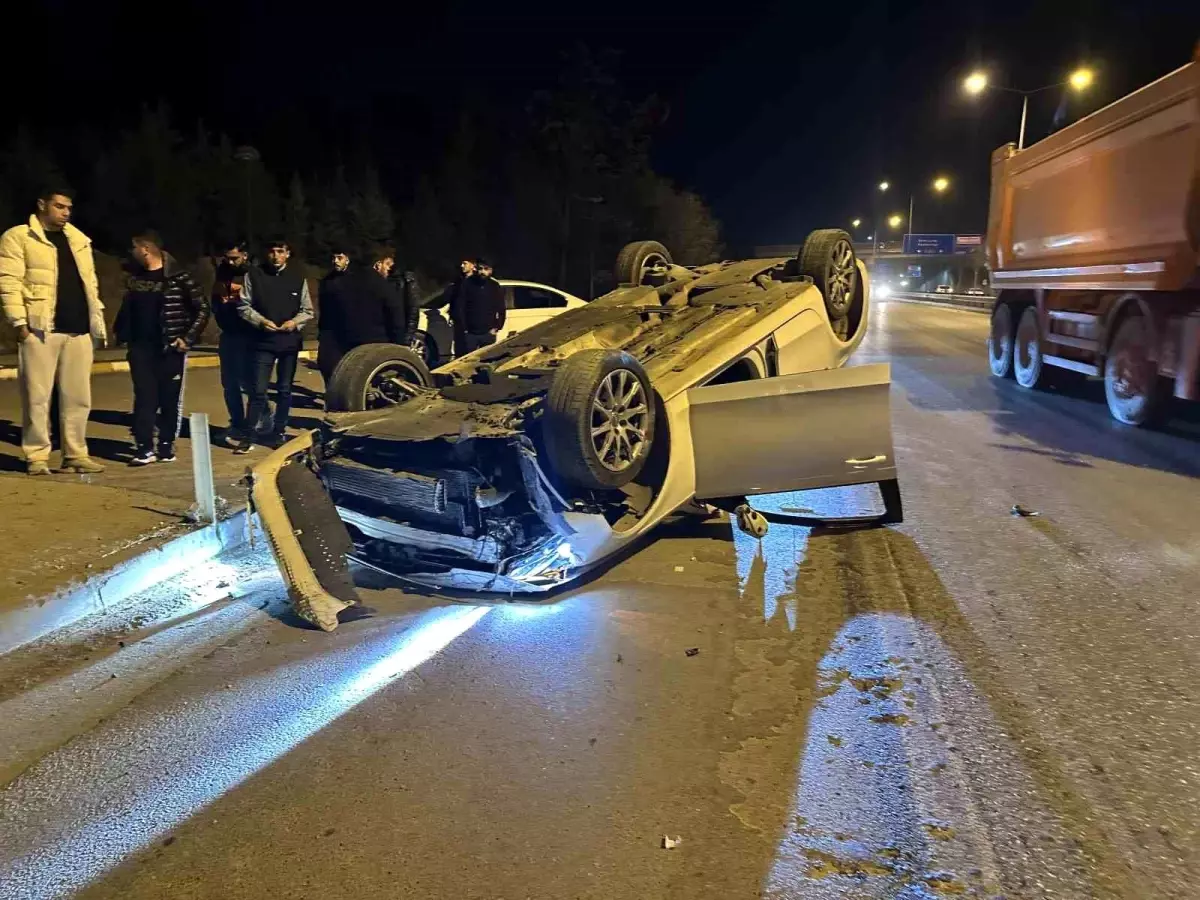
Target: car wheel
x,y
640,259
368,376
1000,341
1027,350
827,257
1132,385
599,423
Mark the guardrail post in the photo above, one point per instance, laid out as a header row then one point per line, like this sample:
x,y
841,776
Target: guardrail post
x,y
202,471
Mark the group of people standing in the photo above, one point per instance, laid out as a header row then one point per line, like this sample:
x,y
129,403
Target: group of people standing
x,y
50,295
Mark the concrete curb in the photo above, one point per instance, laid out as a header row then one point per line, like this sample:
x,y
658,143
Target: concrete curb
x,y
208,361
952,301
107,590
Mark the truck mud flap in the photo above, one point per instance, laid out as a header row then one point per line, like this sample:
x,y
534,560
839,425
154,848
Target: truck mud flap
x,y
318,528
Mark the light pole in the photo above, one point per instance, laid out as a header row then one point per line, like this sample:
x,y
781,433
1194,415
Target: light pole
x,y
940,185
977,82
883,186
562,268
248,156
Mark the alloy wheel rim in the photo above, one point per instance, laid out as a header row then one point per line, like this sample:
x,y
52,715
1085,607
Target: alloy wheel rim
x,y
842,274
620,417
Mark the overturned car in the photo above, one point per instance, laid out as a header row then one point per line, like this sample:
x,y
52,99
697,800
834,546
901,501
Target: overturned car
x,y
522,465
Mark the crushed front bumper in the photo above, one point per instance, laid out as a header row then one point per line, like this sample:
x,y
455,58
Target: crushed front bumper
x,y
306,535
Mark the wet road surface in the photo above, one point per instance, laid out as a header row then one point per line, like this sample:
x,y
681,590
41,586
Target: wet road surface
x,y
972,704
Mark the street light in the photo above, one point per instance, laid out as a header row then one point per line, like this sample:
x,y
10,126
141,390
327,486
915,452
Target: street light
x,y
883,185
856,223
940,185
896,220
977,82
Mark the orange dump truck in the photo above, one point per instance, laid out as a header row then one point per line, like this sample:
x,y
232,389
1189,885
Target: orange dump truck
x,y
1094,248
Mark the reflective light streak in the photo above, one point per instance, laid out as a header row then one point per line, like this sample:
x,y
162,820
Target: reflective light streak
x,y
117,789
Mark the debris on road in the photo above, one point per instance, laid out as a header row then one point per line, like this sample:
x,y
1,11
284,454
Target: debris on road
x,y
1024,512
670,843
692,651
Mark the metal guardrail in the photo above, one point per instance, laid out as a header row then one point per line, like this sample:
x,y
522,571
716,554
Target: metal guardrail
x,y
974,303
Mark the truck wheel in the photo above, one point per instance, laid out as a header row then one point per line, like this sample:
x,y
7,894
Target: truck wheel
x,y
367,375
827,257
639,259
1027,350
1131,384
1000,341
599,421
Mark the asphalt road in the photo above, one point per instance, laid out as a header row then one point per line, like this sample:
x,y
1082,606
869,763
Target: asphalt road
x,y
972,704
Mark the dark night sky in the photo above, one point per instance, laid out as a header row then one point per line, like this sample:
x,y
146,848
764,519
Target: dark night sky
x,y
783,116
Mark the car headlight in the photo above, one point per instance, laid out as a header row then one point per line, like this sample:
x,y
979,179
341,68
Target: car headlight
x,y
883,291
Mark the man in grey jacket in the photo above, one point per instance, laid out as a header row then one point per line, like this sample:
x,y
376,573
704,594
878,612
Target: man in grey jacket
x,y
276,303
51,298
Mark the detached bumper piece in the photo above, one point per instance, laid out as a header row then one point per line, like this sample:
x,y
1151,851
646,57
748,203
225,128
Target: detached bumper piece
x,y
308,538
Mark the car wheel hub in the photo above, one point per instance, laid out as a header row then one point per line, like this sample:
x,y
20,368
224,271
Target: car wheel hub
x,y
383,387
842,273
619,419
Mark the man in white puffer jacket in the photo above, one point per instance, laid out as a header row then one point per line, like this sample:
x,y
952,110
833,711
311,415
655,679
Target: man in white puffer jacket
x,y
51,297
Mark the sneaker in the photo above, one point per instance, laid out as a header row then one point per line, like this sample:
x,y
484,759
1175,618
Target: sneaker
x,y
143,457
244,446
166,453
38,468
82,466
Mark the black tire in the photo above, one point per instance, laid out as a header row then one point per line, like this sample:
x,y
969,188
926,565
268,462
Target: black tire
x,y
1028,364
828,258
635,258
1132,386
1000,341
360,380
585,380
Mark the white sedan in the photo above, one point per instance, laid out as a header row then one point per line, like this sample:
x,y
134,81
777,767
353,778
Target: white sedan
x,y
527,303
522,465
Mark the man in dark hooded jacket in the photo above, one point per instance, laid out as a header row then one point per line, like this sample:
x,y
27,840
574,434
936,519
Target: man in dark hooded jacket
x,y
476,308
332,300
375,311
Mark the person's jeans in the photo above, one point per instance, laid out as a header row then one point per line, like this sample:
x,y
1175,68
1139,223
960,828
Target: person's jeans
x,y
329,354
158,377
466,342
45,359
284,364
237,356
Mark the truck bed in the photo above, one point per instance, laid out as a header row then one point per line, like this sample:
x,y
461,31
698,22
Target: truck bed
x,y
1111,202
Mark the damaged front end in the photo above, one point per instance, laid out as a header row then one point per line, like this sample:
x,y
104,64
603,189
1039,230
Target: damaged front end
x,y
474,513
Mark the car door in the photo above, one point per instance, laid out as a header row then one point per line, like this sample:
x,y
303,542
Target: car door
x,y
529,305
793,432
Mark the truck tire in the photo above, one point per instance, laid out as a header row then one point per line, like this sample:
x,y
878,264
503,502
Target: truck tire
x,y
1132,385
1000,341
363,379
1028,367
827,257
636,260
598,427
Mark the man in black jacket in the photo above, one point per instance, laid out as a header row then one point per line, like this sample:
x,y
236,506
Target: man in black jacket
x,y
163,313
477,309
375,312
236,350
331,305
276,303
